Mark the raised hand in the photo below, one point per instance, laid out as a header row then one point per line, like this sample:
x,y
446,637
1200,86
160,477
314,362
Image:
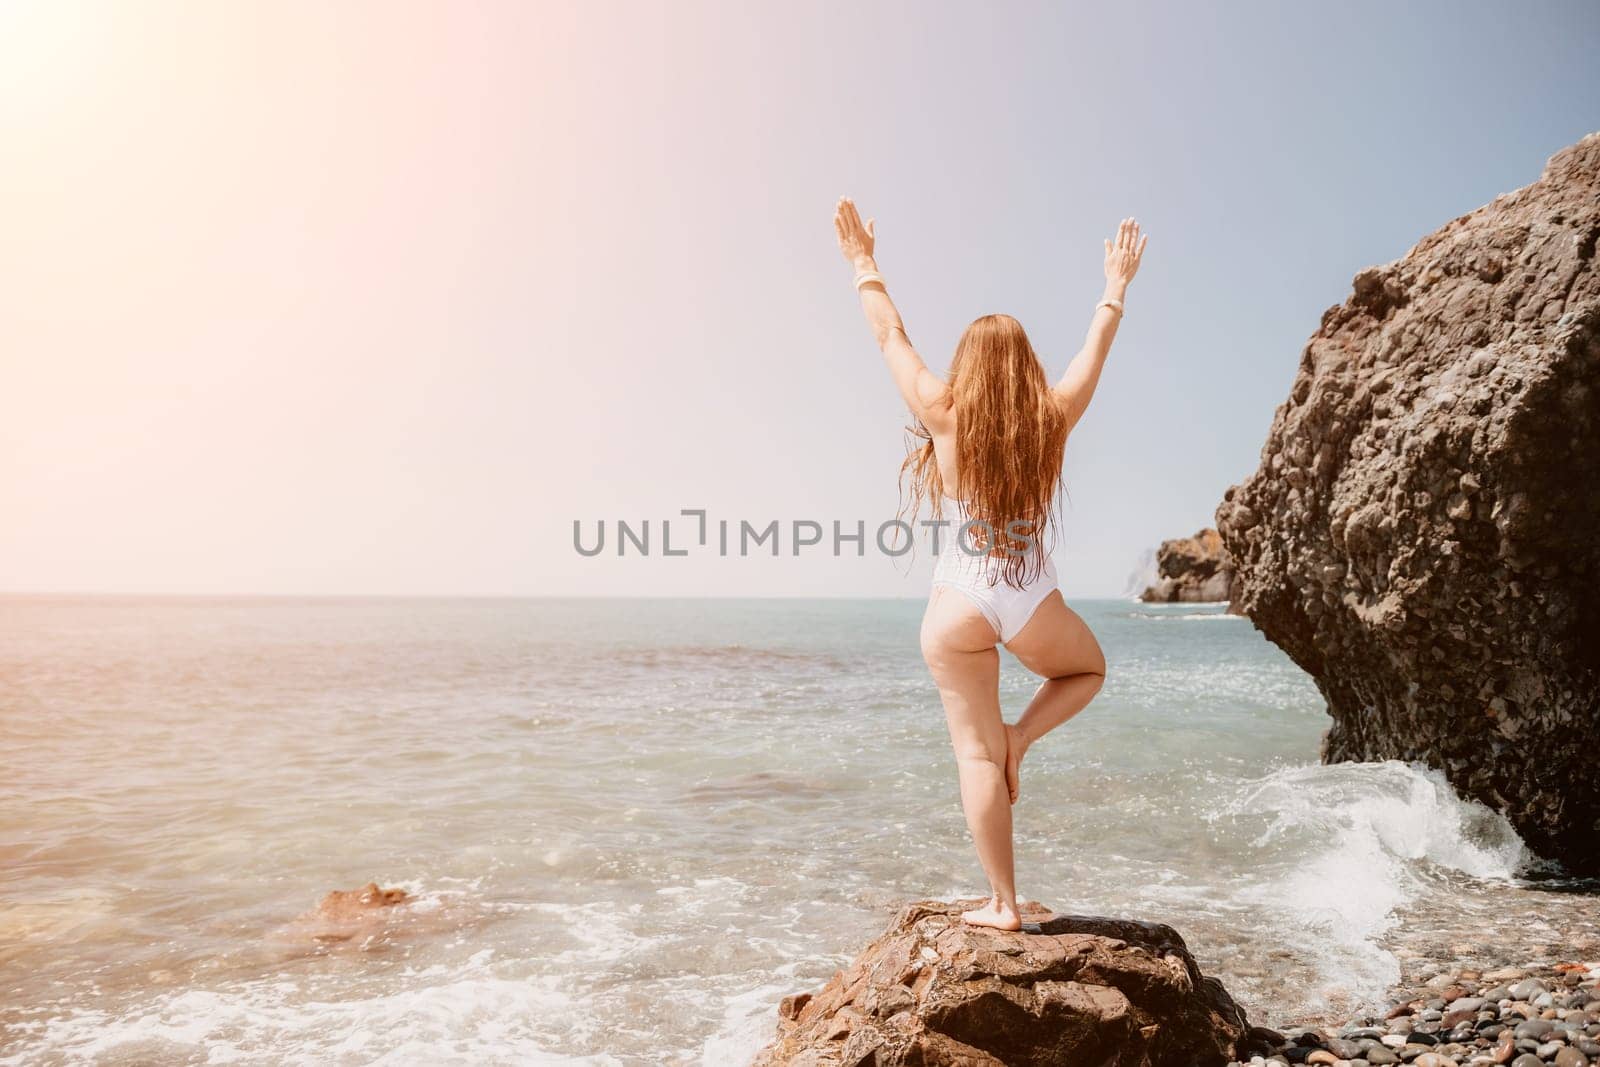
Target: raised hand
x,y
856,241
1123,253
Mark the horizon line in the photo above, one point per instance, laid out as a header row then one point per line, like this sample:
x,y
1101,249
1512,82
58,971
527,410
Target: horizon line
x,y
8,594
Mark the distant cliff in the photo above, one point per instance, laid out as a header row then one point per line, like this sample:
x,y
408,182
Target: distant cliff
x,y
1191,570
1423,535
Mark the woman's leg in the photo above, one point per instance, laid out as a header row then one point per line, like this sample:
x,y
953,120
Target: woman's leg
x,y
958,644
1056,645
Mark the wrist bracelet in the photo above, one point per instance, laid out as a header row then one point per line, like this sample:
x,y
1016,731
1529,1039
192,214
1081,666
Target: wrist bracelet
x,y
869,276
1114,305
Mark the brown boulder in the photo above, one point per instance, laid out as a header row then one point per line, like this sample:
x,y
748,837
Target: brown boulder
x,y
1423,535
355,903
347,913
1192,570
935,992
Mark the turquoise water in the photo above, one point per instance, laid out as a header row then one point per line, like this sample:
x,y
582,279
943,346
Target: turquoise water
x,y
632,826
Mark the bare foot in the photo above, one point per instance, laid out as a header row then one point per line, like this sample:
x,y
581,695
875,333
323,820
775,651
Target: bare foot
x,y
1016,747
993,914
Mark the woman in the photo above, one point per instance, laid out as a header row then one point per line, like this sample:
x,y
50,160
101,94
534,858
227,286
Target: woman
x,y
994,434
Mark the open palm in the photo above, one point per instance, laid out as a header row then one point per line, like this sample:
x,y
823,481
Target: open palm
x,y
1124,252
856,239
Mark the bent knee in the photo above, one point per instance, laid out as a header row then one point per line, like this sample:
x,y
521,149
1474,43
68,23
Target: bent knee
x,y
1091,668
1098,667
1099,677
1095,662
978,752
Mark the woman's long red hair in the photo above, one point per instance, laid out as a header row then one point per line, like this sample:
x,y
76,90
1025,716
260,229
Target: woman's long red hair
x,y
1010,434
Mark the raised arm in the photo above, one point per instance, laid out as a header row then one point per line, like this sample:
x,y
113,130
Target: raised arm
x,y
1083,373
924,392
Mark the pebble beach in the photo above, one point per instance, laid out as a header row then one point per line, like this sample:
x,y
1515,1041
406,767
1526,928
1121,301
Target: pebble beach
x,y
1538,1013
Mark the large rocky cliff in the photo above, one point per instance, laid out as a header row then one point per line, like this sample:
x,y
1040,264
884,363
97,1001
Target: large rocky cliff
x,y
1422,533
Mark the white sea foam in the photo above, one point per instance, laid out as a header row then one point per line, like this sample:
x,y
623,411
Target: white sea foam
x,y
603,934
474,1019
1346,846
747,1025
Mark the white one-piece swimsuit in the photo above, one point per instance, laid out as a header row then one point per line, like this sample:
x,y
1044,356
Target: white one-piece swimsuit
x,y
979,577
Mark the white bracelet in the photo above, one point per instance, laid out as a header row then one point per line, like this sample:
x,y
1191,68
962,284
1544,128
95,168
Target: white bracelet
x,y
869,276
1114,305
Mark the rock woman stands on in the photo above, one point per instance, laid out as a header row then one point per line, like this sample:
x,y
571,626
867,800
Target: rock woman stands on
x,y
993,436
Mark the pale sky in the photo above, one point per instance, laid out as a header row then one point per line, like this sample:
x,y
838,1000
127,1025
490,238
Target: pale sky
x,y
380,298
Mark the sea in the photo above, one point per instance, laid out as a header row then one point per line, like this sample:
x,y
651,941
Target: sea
x,y
628,828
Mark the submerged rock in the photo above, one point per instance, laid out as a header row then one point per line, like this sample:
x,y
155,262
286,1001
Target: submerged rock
x,y
345,914
1191,570
356,903
935,992
1423,535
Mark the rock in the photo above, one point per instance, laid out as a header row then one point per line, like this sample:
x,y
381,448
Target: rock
x,y
346,913
355,903
1423,535
1263,1036
1528,989
1192,570
934,991
1344,1049
1506,974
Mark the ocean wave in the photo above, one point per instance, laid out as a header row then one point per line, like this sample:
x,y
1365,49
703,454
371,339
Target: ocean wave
x,y
467,1018
747,1026
1343,848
